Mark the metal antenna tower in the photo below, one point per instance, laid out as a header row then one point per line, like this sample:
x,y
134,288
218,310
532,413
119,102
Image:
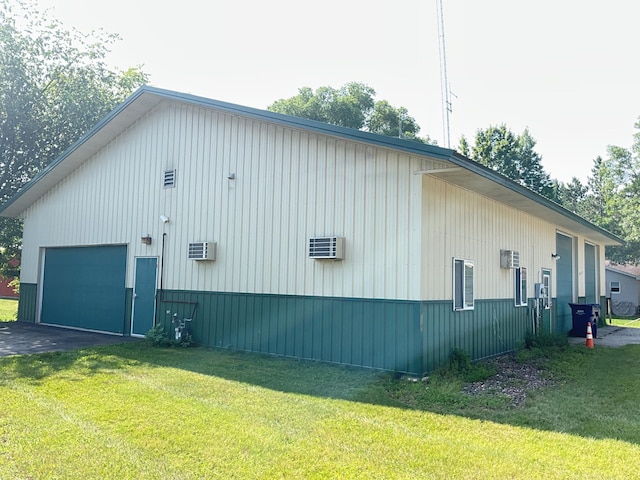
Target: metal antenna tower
x,y
444,81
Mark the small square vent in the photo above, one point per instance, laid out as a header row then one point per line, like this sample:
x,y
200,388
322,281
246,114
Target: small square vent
x,y
326,247
509,259
169,180
202,251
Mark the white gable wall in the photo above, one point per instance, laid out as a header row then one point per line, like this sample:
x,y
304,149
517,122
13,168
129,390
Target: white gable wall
x,y
290,185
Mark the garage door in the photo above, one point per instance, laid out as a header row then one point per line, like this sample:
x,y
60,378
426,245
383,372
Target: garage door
x,y
564,281
84,287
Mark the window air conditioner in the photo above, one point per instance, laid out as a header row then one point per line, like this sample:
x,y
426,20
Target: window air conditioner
x,y
326,247
202,251
509,259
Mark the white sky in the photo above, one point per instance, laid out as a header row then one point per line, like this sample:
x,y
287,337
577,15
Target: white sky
x,y
566,69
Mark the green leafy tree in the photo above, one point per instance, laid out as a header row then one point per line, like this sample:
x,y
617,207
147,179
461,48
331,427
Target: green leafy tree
x,y
463,147
613,198
511,155
54,86
353,105
573,196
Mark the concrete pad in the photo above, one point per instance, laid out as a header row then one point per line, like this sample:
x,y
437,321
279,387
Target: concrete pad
x,y
612,336
21,338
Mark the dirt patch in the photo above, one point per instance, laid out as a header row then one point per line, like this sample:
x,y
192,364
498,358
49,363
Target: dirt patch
x,y
512,380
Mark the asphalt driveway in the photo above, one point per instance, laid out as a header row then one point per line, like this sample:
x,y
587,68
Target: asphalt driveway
x,y
20,338
612,336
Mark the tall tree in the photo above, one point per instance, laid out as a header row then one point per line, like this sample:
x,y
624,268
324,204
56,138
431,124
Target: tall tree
x,y
512,155
54,85
573,196
353,105
613,198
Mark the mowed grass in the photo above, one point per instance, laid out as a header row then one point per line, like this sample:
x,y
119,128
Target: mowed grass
x,y
626,322
8,310
133,411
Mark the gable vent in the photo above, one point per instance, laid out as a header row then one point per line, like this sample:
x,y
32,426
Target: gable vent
x,y
202,251
169,178
326,247
509,259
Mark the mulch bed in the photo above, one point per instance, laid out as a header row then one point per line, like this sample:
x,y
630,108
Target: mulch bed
x,y
513,380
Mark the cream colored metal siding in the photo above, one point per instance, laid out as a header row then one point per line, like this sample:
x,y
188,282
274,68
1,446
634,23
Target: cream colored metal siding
x,y
462,224
289,185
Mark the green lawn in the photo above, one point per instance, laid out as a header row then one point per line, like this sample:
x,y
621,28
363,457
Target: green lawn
x,y
8,310
133,411
625,322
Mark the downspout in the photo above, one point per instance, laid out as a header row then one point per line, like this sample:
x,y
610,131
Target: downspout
x,y
158,300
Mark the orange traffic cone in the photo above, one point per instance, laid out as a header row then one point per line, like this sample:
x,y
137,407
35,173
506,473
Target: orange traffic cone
x,y
589,336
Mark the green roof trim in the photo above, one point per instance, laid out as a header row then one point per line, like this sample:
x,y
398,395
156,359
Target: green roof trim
x,y
496,177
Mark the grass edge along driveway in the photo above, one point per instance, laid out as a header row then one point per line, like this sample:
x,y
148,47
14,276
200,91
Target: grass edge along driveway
x,y
132,411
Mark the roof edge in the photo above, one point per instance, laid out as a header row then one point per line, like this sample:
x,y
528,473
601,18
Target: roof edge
x,y
72,148
506,182
405,145
409,146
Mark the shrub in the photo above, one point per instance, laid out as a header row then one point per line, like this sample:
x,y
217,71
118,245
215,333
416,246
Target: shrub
x,y
159,338
545,341
541,346
461,366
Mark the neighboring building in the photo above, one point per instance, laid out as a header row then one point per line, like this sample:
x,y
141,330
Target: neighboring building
x,y
6,291
623,288
433,251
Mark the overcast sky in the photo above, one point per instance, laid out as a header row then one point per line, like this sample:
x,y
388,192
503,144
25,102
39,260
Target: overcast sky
x,y
566,69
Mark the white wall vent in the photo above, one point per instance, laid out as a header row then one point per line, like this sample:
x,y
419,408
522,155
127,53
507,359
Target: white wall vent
x,y
202,251
169,180
326,247
509,259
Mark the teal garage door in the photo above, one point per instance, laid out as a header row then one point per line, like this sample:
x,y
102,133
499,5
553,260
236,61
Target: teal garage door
x,y
84,287
564,281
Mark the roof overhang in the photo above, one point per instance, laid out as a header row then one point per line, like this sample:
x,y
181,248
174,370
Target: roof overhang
x,y
94,140
477,178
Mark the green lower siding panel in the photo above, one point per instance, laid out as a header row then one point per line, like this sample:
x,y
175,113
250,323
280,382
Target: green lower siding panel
x,y
491,328
403,336
28,303
369,333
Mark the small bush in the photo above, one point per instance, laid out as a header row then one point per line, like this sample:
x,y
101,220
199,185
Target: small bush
x,y
159,338
461,366
541,346
545,341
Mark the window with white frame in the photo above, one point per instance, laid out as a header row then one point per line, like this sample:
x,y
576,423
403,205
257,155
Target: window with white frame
x,y
615,287
462,284
546,288
521,286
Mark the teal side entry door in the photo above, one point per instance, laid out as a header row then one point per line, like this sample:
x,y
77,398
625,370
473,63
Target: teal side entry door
x,y
144,295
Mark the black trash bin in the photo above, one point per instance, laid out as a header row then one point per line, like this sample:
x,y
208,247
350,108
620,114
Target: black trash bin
x,y
581,314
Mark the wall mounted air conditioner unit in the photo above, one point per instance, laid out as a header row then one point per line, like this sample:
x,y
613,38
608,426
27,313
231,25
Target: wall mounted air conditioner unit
x,y
202,251
326,247
509,259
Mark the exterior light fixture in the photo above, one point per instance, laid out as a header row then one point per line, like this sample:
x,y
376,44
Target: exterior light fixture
x,y
146,240
164,219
